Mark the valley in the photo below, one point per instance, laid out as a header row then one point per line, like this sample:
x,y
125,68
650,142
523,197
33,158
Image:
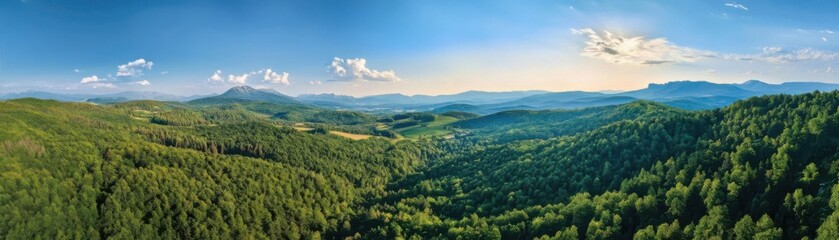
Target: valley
x,y
419,119
246,167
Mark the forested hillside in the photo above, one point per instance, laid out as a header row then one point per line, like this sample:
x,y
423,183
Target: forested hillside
x,y
764,168
82,171
761,168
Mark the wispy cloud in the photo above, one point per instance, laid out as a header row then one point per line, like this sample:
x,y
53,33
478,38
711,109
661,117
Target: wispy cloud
x,y
636,50
142,83
103,85
355,69
737,6
781,55
642,51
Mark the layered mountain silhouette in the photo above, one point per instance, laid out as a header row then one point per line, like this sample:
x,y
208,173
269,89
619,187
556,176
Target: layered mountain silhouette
x,y
114,97
691,95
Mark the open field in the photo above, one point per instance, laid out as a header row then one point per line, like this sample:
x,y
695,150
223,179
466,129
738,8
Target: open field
x,y
430,129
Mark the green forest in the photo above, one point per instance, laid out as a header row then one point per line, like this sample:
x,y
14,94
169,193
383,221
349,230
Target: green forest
x,y
761,168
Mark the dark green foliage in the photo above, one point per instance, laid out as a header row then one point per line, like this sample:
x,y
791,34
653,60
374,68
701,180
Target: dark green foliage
x,y
526,124
88,172
405,124
457,108
416,116
340,117
179,117
290,112
460,115
758,169
763,168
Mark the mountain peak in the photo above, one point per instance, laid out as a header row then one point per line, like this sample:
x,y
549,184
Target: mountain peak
x,y
754,82
251,94
241,89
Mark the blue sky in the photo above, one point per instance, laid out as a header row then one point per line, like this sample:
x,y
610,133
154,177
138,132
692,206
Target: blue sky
x,y
412,47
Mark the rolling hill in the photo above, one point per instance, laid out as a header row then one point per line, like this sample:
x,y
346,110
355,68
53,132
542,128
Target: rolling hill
x,y
761,167
691,95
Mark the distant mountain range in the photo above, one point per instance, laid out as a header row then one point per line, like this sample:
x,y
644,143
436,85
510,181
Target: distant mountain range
x,y
400,100
682,94
692,95
114,97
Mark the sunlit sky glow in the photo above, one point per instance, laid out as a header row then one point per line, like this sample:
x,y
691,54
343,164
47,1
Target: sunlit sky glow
x,y
412,47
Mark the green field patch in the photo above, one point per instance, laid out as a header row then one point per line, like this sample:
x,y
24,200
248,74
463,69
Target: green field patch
x,y
436,128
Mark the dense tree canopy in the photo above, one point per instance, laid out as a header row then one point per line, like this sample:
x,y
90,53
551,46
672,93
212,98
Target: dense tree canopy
x,y
759,169
762,168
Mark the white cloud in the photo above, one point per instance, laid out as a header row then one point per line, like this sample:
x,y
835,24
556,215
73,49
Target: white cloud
x,y
133,68
355,69
636,50
241,79
737,6
824,39
639,50
142,83
828,31
269,76
273,77
772,50
216,77
77,70
103,85
90,79
164,72
780,55
805,54
316,82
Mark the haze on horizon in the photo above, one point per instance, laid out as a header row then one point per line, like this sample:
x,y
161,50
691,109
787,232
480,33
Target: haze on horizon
x,y
363,48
